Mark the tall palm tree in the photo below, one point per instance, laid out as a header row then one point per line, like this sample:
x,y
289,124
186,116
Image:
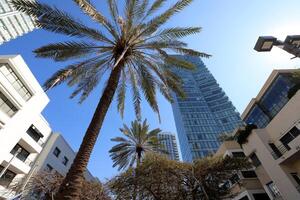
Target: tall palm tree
x,y
137,141
129,46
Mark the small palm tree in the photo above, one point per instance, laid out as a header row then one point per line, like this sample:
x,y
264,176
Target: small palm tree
x,y
137,141
129,47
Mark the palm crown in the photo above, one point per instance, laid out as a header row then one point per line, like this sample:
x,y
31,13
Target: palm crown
x,y
130,47
138,140
132,39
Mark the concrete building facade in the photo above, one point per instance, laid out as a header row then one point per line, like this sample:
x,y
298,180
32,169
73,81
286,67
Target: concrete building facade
x,y
58,156
274,147
204,114
23,130
169,145
244,185
13,23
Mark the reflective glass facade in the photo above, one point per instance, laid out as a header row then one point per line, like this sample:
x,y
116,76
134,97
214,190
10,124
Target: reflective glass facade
x,y
272,102
204,114
169,145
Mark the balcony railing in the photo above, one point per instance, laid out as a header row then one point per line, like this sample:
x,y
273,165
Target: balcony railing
x,y
41,143
28,162
281,151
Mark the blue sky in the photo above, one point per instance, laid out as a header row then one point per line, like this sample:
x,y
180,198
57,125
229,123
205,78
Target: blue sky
x,y
230,30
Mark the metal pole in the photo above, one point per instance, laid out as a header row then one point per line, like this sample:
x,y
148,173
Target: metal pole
x,y
9,163
29,175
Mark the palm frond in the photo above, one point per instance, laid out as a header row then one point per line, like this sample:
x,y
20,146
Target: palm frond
x,y
66,50
148,87
57,21
87,7
155,6
158,21
121,93
191,52
136,97
176,32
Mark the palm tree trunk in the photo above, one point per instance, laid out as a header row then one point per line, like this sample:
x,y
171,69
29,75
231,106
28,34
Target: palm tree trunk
x,y
70,189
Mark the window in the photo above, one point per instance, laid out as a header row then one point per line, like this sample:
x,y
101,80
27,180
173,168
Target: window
x,y
275,150
273,189
65,161
296,178
22,155
245,198
261,196
56,152
290,136
6,106
234,179
34,133
14,80
238,154
255,160
249,174
48,168
7,177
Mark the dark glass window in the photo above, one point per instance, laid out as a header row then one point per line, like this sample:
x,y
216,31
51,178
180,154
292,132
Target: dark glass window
x,y
7,177
275,150
249,174
276,96
255,160
14,80
238,154
296,177
6,106
273,189
34,133
234,179
261,196
22,155
245,198
48,168
257,117
295,132
56,152
65,160
272,102
290,136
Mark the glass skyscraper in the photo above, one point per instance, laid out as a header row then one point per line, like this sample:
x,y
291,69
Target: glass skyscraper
x,y
204,114
168,145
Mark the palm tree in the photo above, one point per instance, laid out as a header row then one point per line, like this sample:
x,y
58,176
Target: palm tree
x,y
129,46
138,140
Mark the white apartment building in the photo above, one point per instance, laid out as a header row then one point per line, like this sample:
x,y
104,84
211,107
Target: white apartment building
x,y
13,23
23,130
57,156
274,146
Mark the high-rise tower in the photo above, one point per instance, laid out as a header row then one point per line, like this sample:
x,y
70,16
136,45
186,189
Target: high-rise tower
x,y
13,23
169,145
204,114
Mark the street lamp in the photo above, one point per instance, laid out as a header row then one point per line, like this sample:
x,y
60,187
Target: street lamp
x,y
291,44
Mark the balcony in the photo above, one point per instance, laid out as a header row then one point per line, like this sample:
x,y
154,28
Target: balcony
x,y
281,150
289,144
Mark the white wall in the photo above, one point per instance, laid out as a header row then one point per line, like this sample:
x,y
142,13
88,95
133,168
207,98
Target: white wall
x,y
13,129
47,156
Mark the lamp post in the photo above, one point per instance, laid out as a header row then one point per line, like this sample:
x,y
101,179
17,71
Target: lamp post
x,y
9,163
291,44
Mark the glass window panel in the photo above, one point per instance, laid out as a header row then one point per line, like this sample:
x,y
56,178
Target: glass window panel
x,y
12,77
